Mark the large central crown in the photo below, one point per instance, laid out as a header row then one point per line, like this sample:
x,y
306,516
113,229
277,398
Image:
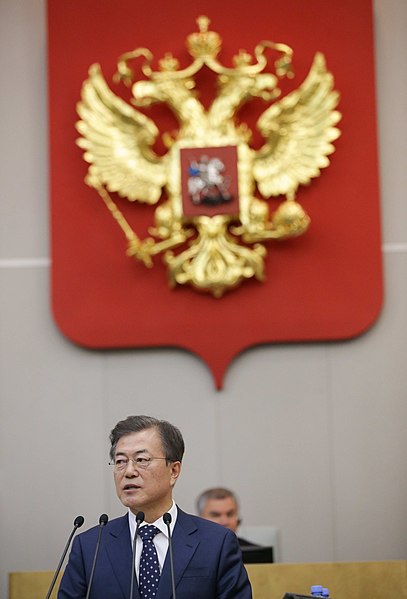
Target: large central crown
x,y
204,43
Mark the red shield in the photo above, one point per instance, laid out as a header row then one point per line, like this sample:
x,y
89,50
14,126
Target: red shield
x,y
325,285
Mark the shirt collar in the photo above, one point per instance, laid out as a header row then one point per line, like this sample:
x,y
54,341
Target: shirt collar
x,y
173,511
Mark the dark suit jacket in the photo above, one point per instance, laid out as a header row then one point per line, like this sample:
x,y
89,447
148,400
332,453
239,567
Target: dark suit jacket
x,y
207,563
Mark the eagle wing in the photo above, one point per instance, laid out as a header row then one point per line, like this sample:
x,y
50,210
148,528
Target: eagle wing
x,y
118,141
299,131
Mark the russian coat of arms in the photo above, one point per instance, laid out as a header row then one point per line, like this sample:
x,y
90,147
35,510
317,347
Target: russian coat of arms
x,y
211,186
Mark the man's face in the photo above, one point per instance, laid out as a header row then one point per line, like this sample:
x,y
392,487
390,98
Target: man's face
x,y
147,490
223,511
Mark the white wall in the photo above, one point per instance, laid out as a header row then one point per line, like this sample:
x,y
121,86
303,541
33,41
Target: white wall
x,y
313,437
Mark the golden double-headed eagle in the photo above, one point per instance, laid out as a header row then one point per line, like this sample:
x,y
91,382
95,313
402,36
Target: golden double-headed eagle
x,y
215,249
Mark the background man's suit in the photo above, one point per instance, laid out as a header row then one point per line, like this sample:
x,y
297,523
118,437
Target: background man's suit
x,y
207,563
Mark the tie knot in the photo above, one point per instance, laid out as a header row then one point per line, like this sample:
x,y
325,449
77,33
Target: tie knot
x,y
147,533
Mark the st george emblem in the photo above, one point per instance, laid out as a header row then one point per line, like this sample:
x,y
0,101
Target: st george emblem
x,y
211,186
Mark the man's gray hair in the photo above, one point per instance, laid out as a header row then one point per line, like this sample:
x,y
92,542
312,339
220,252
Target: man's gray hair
x,y
215,493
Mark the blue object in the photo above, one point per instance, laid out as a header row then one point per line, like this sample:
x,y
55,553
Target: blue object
x,y
317,590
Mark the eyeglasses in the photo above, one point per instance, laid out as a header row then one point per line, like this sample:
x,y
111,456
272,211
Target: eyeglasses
x,y
140,463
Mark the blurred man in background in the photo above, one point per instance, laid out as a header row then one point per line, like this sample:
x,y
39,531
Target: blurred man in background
x,y
221,505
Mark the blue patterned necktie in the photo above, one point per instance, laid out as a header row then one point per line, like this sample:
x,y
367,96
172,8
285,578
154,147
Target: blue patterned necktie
x,y
149,570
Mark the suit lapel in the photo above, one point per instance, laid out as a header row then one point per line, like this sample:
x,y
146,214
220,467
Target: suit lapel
x,y
184,544
118,549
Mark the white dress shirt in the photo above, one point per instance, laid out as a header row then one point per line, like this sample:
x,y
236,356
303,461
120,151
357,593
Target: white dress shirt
x,y
160,540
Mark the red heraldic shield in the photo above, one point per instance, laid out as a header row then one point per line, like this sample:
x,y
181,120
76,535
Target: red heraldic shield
x,y
324,285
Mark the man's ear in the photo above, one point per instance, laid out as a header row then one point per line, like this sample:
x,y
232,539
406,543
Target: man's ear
x,y
175,472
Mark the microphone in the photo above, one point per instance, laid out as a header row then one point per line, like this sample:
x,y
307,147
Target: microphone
x,y
167,520
103,520
79,520
139,520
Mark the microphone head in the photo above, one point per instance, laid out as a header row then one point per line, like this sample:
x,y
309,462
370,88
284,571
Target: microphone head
x,y
139,517
79,520
167,518
104,519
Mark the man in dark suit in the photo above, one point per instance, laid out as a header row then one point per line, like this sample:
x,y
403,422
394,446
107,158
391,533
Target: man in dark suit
x,y
221,505
146,456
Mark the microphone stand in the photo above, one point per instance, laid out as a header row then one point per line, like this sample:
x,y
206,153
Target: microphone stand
x,y
103,520
139,520
167,520
79,520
